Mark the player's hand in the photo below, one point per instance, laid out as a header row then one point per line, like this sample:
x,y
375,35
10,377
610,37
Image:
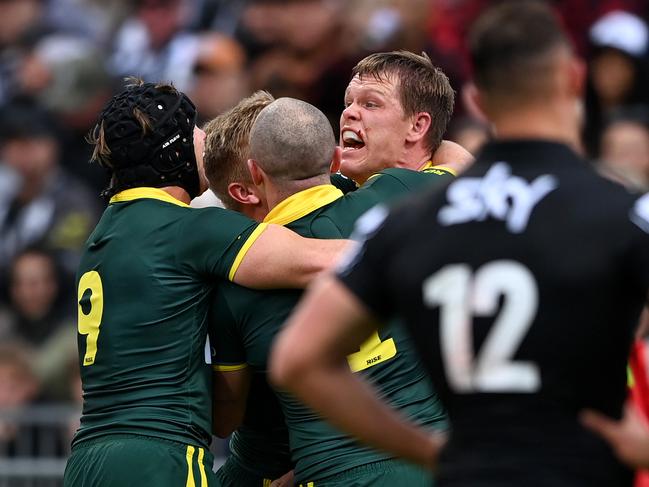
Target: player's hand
x,y
629,437
452,155
285,480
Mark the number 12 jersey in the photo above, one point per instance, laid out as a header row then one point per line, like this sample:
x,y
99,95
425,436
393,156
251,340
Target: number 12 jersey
x,y
522,291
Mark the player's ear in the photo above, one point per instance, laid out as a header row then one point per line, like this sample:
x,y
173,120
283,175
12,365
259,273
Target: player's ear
x,y
473,102
243,194
336,160
256,172
421,122
578,70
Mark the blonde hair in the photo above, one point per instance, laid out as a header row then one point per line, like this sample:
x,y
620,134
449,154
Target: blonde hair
x,y
227,145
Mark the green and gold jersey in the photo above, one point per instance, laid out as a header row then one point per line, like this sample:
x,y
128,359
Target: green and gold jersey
x,y
243,336
144,287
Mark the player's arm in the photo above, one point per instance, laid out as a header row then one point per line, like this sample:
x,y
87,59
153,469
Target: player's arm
x,y
452,156
309,360
628,437
230,391
280,258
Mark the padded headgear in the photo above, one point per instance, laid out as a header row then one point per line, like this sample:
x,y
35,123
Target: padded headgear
x,y
162,155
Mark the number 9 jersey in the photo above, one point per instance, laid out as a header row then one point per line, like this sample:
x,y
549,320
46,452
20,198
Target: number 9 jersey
x,y
144,284
522,291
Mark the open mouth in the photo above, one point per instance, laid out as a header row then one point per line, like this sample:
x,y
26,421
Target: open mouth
x,y
351,140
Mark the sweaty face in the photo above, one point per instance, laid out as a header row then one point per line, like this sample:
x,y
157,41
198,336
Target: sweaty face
x,y
199,152
373,127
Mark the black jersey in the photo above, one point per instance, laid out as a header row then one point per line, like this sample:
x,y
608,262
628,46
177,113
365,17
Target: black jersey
x,y
522,291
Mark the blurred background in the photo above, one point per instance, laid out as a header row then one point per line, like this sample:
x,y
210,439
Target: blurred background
x,y
61,60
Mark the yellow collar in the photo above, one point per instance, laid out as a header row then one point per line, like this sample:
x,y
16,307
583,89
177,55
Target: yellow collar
x,y
151,193
429,165
300,204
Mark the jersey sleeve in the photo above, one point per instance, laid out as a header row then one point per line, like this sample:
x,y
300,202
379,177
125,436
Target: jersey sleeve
x,y
216,240
362,269
228,351
325,227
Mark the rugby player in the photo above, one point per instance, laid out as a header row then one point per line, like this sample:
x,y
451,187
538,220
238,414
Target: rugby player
x,y
521,290
384,125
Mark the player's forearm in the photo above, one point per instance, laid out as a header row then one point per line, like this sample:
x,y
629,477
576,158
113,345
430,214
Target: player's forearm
x,y
226,417
230,393
319,256
280,258
353,406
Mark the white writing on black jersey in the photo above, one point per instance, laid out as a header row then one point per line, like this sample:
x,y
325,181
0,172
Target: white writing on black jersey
x,y
498,194
640,213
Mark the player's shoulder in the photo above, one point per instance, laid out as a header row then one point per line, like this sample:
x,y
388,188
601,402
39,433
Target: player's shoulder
x,y
609,197
427,174
343,183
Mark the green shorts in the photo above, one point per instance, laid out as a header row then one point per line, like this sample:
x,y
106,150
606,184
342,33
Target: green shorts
x,y
133,460
232,474
387,473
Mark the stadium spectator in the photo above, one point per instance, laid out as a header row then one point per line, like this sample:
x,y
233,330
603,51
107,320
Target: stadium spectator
x,y
624,150
41,203
18,388
303,50
219,79
154,43
618,71
39,318
18,19
67,76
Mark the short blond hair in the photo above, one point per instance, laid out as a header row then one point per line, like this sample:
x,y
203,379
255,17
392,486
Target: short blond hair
x,y
227,145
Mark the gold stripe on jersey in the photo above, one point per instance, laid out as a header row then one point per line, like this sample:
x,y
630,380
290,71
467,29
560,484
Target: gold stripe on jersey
x,y
144,192
301,204
229,368
190,467
201,467
244,249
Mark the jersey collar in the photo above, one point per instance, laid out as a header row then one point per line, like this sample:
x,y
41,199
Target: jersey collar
x,y
143,192
301,204
429,165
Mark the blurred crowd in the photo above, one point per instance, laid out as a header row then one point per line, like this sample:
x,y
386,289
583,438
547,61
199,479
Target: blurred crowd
x,y
60,61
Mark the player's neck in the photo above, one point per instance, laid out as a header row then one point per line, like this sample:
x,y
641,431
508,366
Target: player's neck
x,y
278,192
414,158
178,193
559,122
